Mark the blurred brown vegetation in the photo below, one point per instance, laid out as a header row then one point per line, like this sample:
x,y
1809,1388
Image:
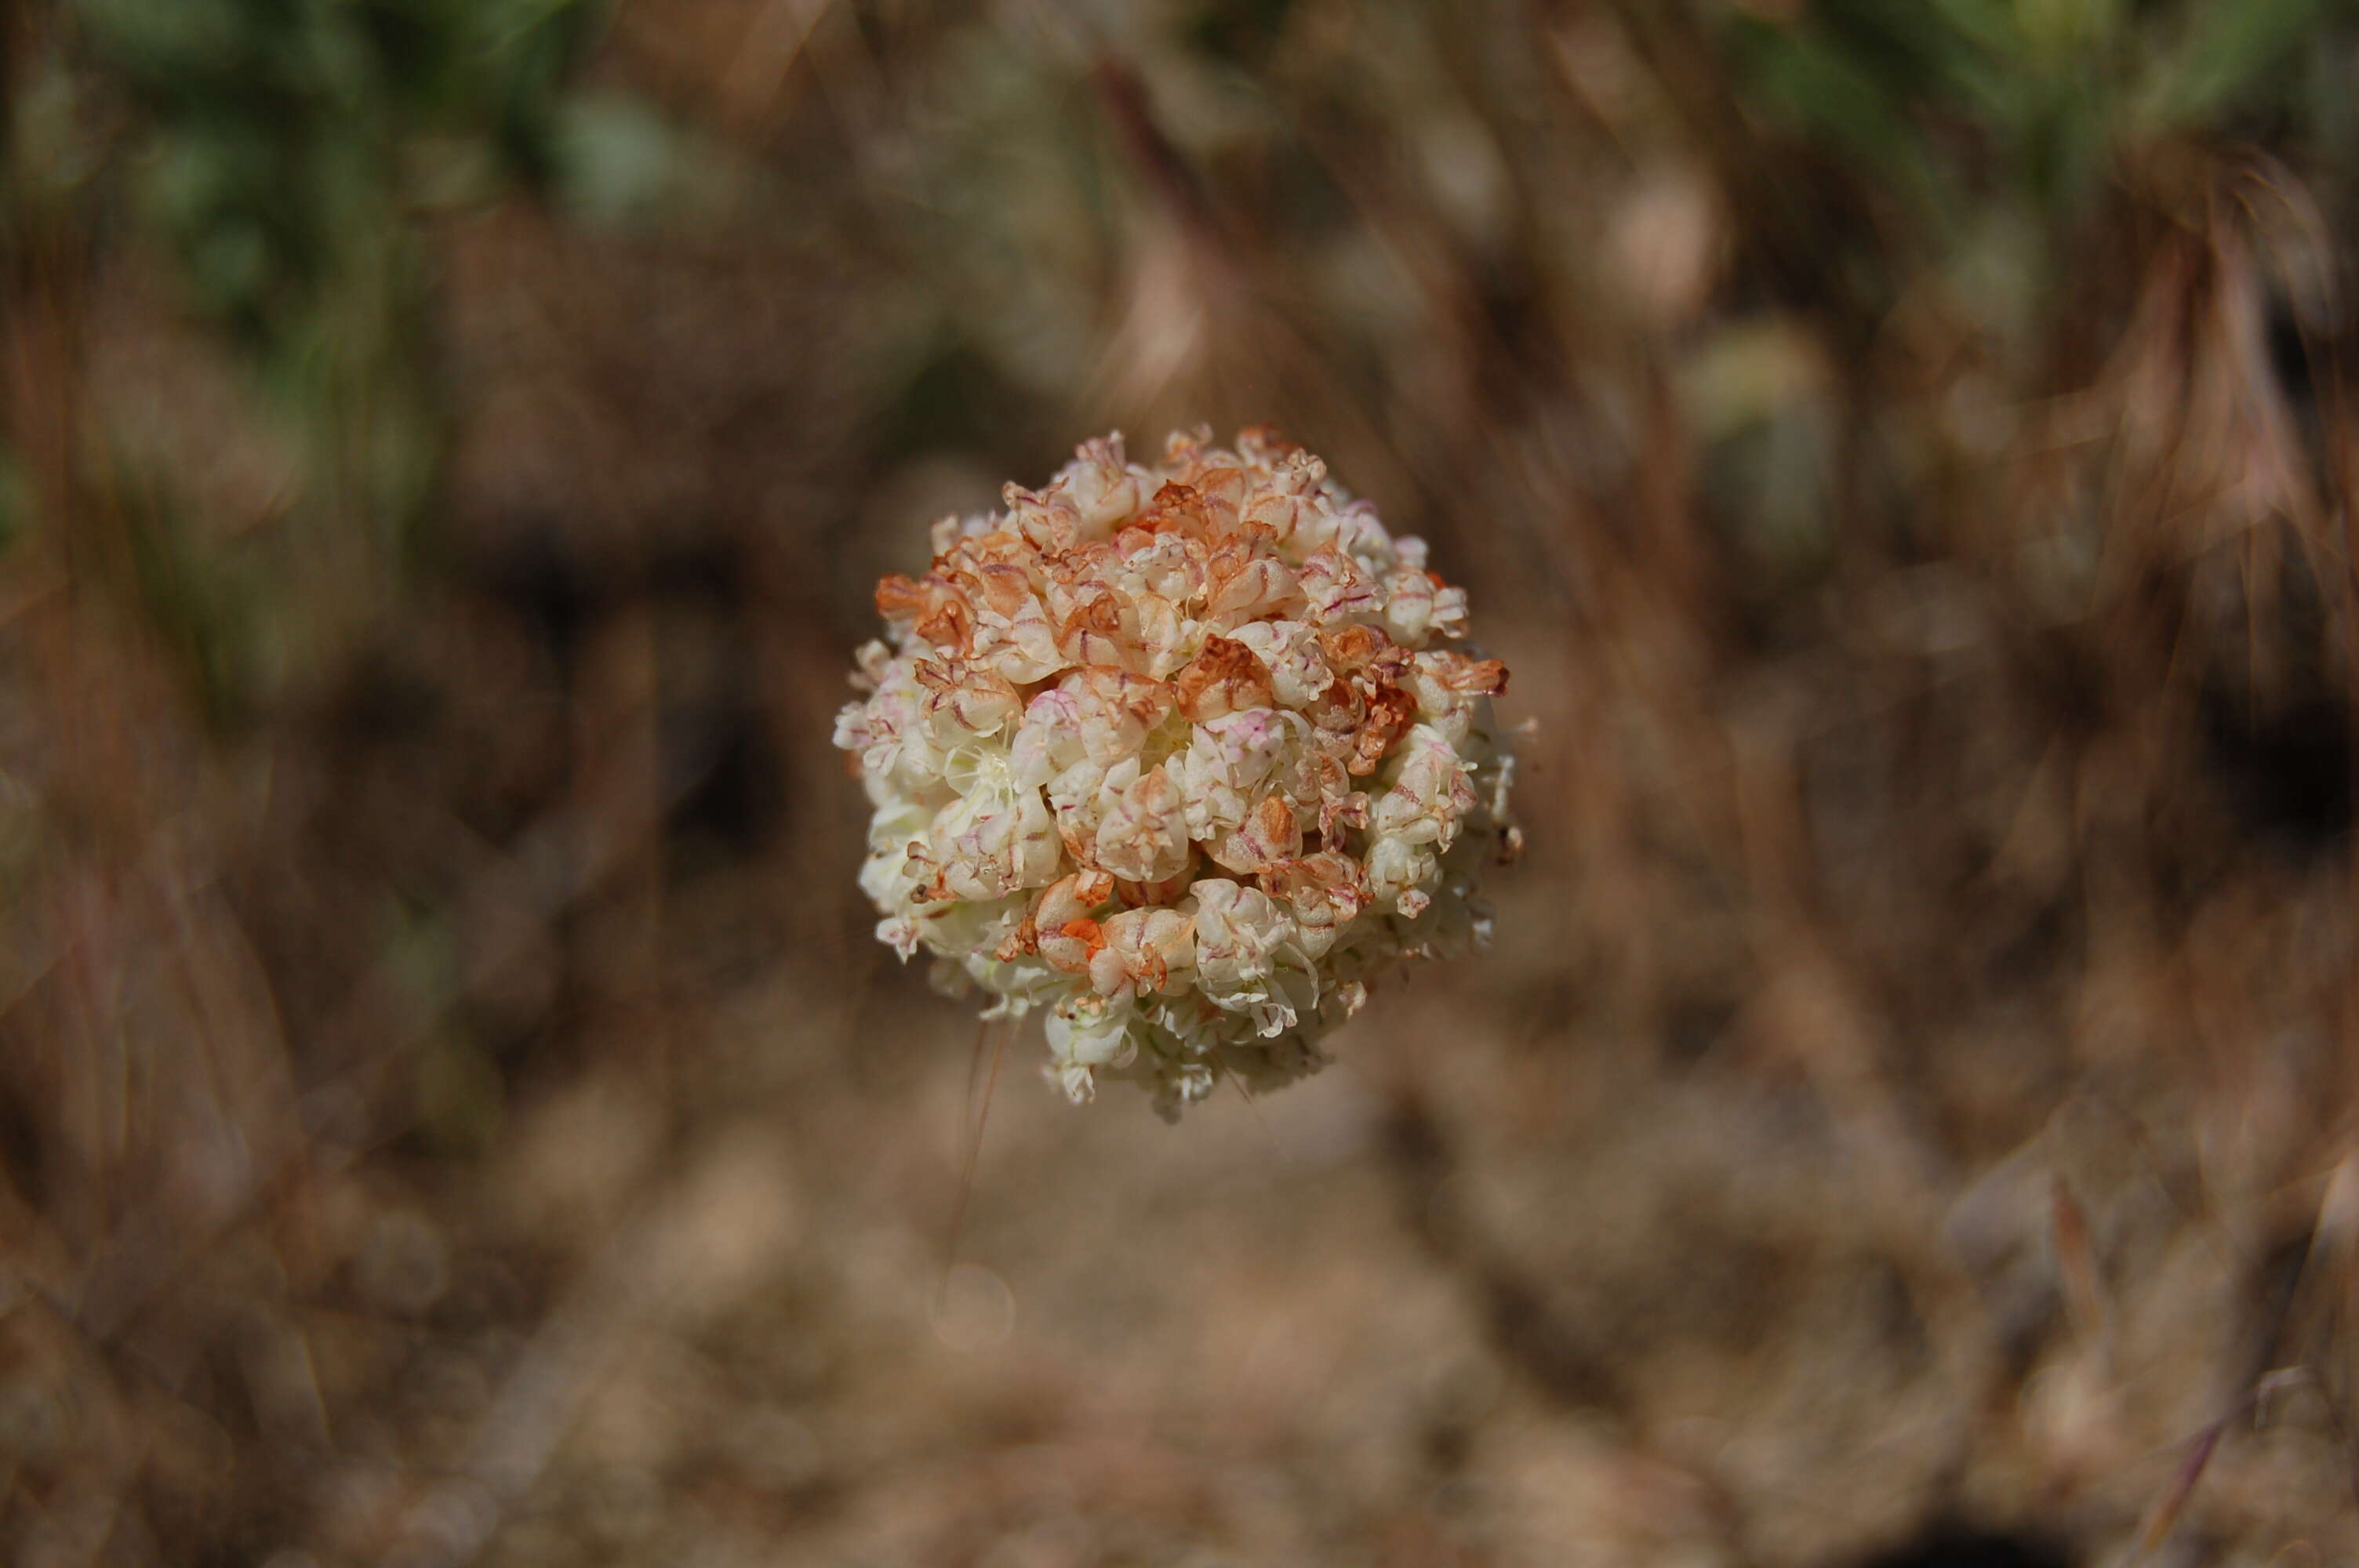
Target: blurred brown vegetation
x,y
451,1110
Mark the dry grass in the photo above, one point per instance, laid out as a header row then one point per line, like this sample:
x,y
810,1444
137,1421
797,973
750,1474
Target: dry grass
x,y
452,1110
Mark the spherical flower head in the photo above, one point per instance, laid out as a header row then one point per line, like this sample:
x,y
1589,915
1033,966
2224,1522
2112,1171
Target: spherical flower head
x,y
1186,754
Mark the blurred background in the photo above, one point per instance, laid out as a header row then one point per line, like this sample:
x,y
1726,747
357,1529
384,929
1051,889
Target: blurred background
x,y
451,1107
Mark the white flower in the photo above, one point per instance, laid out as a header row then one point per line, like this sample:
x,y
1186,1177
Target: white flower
x,y
1289,651
1142,837
1178,753
1230,758
1085,1033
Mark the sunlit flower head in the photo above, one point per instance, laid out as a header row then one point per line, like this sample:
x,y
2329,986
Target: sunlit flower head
x,y
1183,753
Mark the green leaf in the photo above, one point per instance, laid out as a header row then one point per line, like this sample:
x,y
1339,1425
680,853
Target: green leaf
x,y
617,161
2232,51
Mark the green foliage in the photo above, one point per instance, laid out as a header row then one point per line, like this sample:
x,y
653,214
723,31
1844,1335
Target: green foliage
x,y
283,152
617,163
280,139
2230,56
1922,98
211,606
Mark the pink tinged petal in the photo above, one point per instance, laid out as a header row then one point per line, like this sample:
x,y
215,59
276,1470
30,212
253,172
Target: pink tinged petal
x,y
1358,533
1019,646
1335,585
1144,949
1165,637
1144,836
1449,612
1409,607
1107,975
1101,486
987,852
1261,585
979,704
852,728
1049,741
1224,678
1051,524
1285,515
1116,709
1267,837
1100,629
1164,566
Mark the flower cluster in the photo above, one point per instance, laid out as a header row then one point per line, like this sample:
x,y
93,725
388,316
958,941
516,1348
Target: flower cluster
x,y
1181,753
